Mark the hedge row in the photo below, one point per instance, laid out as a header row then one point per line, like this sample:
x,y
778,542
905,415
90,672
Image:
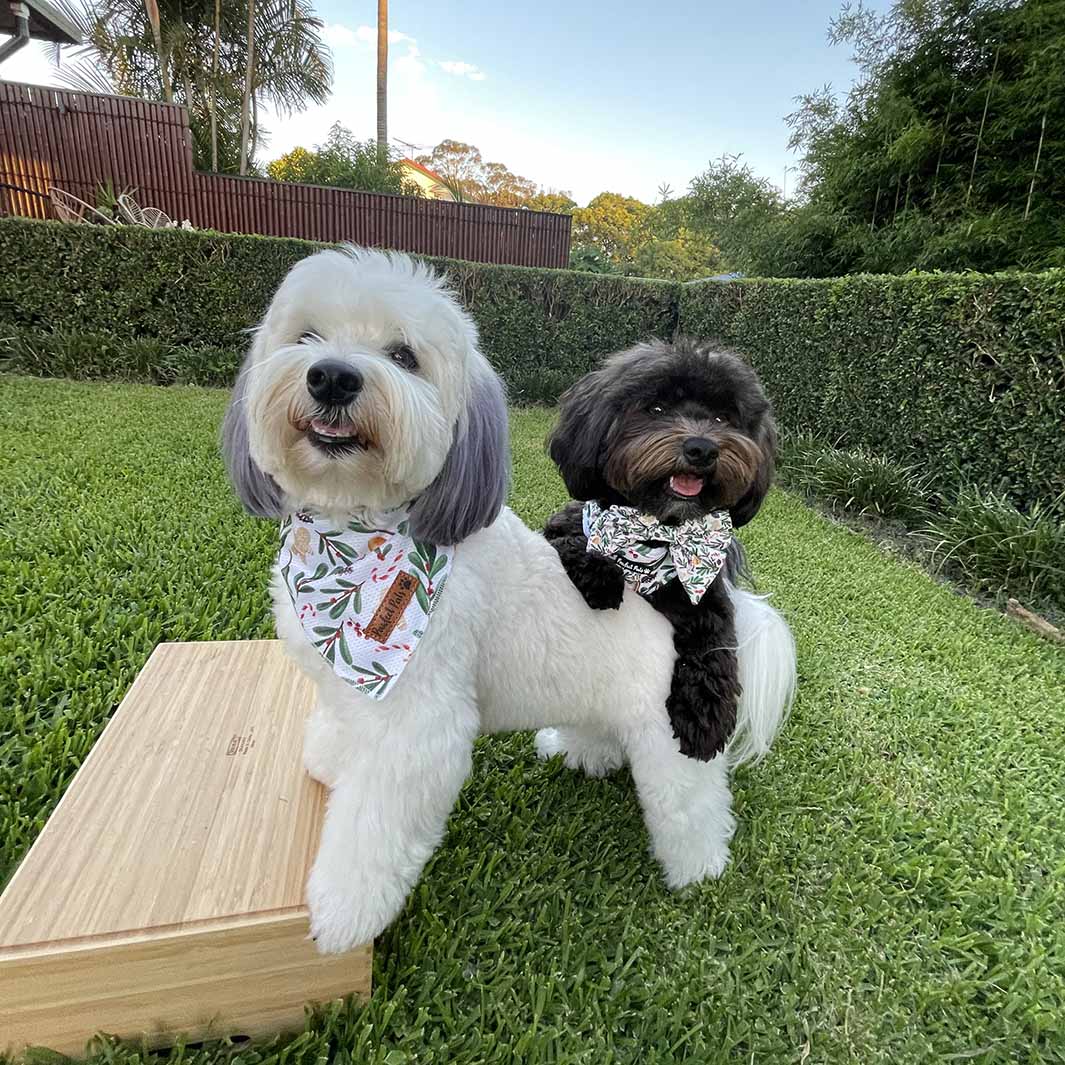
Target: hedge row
x,y
962,375
98,301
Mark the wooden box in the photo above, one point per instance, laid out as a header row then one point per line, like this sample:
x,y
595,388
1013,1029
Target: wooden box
x,y
165,894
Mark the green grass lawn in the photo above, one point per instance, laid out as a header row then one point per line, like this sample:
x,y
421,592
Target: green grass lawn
x,y
897,892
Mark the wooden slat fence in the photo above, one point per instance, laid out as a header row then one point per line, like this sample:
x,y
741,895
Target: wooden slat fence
x,y
77,141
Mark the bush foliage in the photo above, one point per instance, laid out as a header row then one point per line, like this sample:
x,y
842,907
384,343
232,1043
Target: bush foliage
x,y
120,302
960,375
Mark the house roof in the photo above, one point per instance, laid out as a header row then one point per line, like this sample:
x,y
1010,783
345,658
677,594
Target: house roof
x,y
424,169
46,23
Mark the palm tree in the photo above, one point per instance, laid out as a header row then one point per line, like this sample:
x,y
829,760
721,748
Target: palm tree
x,y
152,8
382,77
249,89
213,103
203,60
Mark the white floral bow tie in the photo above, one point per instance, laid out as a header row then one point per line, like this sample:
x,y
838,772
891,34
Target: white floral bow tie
x,y
652,554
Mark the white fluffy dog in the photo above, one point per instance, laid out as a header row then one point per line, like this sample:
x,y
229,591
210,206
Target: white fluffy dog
x,y
364,395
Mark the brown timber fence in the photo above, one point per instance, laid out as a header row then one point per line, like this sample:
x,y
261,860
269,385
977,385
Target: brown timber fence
x,y
53,138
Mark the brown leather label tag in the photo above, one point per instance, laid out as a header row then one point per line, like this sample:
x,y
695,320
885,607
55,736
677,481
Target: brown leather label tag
x,y
390,609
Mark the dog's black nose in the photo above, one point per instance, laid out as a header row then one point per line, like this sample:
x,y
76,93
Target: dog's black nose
x,y
333,383
699,451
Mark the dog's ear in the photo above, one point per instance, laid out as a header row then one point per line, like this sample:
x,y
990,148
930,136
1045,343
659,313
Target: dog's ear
x,y
576,443
470,490
258,491
744,509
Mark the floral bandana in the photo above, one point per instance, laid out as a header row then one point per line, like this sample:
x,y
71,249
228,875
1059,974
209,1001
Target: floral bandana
x,y
363,595
652,554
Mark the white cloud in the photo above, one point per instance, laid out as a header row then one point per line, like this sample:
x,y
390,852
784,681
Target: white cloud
x,y
337,35
462,70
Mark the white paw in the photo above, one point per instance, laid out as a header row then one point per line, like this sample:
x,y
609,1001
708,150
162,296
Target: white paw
x,y
319,765
683,868
346,914
548,743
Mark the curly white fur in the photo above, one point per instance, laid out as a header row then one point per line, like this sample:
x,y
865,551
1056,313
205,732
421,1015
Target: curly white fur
x,y
511,644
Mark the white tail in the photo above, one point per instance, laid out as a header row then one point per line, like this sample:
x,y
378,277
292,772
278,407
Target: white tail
x,y
765,650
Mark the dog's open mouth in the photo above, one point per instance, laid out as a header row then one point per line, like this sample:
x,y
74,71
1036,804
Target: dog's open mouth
x,y
335,438
686,485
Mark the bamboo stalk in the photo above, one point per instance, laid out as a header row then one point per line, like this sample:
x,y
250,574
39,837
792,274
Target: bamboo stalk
x,y
1035,169
943,143
983,121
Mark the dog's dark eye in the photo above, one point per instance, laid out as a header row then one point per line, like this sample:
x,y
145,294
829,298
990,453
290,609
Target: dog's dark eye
x,y
656,408
404,356
720,419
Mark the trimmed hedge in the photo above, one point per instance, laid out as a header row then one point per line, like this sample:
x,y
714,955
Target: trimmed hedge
x,y
962,375
100,301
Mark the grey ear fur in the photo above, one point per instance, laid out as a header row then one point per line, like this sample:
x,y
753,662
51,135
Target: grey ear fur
x,y
258,491
470,490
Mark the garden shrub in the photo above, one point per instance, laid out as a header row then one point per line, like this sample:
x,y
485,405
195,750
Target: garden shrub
x,y
100,301
960,375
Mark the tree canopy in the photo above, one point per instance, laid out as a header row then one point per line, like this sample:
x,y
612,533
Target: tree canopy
x,y
200,59
948,152
469,177
344,162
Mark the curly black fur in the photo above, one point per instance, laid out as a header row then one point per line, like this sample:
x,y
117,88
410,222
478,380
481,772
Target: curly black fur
x,y
620,440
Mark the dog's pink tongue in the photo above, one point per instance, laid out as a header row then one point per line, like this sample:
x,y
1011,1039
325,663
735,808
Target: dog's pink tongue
x,y
686,484
323,428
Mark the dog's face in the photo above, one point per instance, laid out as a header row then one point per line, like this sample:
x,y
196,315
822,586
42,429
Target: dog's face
x,y
364,390
675,430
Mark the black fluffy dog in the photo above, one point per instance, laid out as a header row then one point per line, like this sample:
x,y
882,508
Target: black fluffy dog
x,y
678,431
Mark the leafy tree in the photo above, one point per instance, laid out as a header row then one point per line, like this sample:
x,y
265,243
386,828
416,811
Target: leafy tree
x,y
949,152
344,162
590,259
741,211
469,177
196,53
555,202
613,224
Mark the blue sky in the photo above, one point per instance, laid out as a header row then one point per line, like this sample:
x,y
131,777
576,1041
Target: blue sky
x,y
586,96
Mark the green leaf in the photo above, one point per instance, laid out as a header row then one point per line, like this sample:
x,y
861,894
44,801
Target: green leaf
x,y
423,599
438,565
